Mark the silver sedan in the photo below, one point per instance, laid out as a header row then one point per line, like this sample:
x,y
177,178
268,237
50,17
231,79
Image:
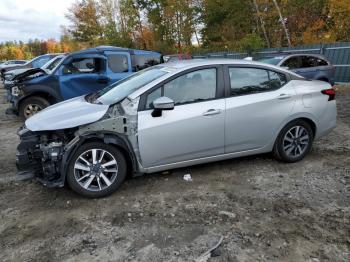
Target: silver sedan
x,y
176,115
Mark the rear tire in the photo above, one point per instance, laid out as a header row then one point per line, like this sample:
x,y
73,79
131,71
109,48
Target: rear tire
x,y
294,141
32,105
100,177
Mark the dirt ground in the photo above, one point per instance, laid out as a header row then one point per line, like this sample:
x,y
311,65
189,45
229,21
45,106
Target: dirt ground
x,y
264,210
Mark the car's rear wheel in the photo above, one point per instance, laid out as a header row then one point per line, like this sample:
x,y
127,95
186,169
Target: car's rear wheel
x,y
32,105
294,141
96,170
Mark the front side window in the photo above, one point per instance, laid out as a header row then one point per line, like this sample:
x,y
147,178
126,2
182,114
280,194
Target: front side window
x,y
118,63
192,87
254,80
83,66
292,63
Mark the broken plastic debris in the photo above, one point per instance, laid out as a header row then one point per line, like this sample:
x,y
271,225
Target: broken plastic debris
x,y
187,177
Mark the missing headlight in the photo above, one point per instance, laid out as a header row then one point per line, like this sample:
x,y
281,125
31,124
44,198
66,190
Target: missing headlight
x,y
15,91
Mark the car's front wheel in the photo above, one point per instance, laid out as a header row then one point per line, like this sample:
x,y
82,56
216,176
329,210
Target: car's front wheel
x,y
96,170
294,141
32,105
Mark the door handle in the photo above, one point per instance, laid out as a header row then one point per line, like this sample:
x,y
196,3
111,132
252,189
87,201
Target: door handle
x,y
284,96
212,112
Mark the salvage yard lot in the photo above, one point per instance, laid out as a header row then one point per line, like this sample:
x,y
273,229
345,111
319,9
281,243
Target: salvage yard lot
x,y
264,209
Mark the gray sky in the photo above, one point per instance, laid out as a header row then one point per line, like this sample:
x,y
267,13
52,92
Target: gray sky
x,y
24,19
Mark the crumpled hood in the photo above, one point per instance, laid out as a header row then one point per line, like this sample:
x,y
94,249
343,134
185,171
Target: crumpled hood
x,y
71,113
26,73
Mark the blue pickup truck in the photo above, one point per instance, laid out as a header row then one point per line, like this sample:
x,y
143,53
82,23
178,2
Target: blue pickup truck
x,y
83,72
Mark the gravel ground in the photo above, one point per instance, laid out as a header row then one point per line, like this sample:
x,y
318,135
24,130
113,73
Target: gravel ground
x,y
264,210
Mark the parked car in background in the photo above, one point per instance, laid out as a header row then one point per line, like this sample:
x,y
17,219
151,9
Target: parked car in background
x,y
13,62
175,115
310,66
10,63
176,57
36,62
11,77
79,73
49,65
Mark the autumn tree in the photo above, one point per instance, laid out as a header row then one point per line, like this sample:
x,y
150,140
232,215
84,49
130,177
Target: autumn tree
x,y
85,22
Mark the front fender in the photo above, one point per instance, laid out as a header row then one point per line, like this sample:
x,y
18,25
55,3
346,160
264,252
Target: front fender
x,y
108,138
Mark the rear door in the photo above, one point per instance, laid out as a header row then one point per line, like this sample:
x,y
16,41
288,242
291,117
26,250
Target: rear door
x,y
118,65
193,129
82,75
258,101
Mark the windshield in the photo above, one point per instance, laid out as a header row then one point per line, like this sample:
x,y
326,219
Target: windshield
x,y
271,60
121,89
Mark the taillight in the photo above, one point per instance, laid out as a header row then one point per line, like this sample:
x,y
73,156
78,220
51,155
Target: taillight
x,y
330,93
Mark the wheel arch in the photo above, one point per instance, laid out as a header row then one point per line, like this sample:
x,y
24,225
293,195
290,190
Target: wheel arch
x,y
108,138
305,117
42,94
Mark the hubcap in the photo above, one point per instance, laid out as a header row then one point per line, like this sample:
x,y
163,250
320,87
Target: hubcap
x,y
31,109
95,169
296,141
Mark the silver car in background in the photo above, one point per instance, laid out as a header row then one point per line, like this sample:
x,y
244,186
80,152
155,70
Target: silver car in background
x,y
175,115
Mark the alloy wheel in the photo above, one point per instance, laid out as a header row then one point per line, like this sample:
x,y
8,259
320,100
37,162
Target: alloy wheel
x,y
95,169
31,109
296,141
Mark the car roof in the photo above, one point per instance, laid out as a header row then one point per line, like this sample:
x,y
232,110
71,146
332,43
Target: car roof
x,y
182,64
101,49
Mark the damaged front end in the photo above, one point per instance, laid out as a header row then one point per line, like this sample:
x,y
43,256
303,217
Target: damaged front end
x,y
45,154
40,154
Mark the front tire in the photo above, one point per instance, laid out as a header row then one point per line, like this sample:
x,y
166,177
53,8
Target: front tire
x,y
294,141
96,170
32,105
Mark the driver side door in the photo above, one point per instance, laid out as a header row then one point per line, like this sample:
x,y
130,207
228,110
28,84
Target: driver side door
x,y
82,75
193,129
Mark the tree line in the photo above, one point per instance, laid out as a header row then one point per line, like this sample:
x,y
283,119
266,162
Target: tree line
x,y
182,26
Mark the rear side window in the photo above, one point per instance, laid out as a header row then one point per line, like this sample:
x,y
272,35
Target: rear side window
x,y
118,63
292,63
246,81
321,62
83,66
312,61
140,62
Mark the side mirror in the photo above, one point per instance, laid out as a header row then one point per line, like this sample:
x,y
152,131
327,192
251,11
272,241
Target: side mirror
x,y
160,104
285,67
